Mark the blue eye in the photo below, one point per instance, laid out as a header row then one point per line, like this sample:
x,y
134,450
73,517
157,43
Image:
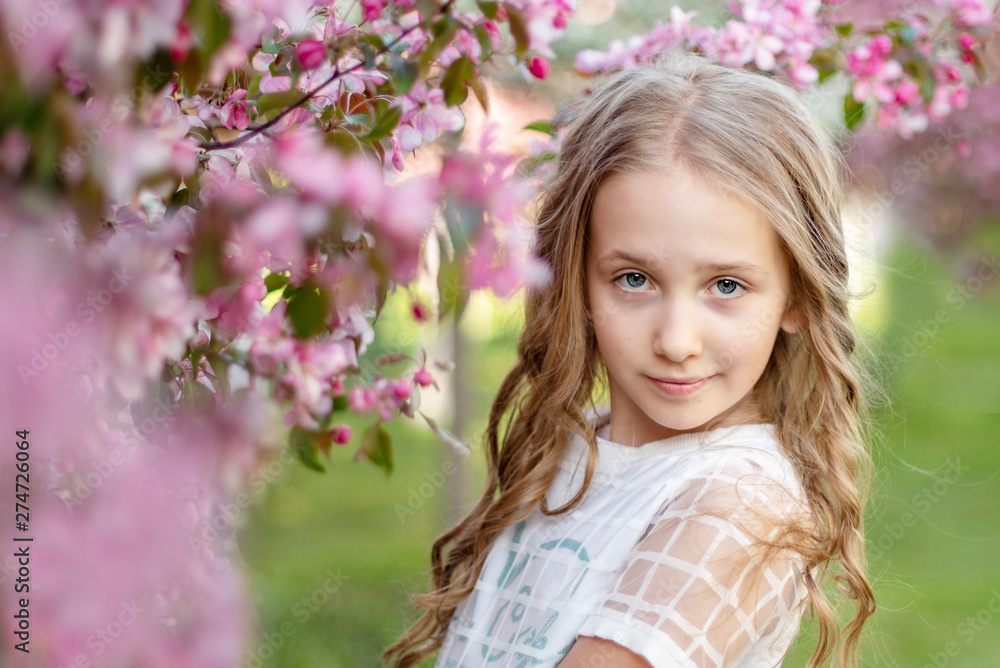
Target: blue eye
x,y
633,279
727,286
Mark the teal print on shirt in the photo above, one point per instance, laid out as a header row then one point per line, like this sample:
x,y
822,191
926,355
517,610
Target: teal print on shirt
x,y
510,571
531,637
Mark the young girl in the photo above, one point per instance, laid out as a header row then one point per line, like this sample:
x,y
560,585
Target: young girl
x,y
693,227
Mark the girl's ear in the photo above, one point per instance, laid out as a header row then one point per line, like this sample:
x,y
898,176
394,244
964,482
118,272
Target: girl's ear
x,y
790,320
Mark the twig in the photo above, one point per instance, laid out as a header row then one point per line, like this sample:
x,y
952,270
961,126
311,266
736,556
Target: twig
x,y
337,73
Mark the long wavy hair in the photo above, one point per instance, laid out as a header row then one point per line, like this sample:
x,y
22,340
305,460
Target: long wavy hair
x,y
751,136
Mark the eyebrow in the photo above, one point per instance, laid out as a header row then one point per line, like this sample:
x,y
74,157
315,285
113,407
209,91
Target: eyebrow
x,y
721,267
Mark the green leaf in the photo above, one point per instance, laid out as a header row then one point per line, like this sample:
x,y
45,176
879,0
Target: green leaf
x,y
480,90
540,126
268,45
176,201
195,394
854,111
427,9
303,444
455,82
844,29
210,24
221,370
153,76
444,29
454,442
387,121
489,8
453,291
307,312
207,271
191,72
274,282
376,446
280,101
404,72
485,44
519,30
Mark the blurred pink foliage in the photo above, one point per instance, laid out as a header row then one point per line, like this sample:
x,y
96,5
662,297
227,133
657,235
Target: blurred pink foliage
x,y
907,62
167,168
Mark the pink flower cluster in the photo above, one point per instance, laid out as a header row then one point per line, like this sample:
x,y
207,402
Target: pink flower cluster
x,y
782,36
773,35
108,502
500,257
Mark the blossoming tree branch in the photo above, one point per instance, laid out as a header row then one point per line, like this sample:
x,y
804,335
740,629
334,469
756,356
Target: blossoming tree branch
x,y
168,167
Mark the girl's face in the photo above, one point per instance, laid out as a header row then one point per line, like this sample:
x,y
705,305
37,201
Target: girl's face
x,y
687,288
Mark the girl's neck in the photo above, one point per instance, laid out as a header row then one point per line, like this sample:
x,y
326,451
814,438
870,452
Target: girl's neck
x,y
745,411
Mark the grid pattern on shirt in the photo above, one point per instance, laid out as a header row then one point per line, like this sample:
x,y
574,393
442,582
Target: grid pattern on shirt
x,y
698,584
657,558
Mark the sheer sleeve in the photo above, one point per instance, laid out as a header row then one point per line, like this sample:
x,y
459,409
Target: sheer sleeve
x,y
699,588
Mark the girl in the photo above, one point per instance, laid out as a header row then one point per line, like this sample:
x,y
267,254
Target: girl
x,y
693,227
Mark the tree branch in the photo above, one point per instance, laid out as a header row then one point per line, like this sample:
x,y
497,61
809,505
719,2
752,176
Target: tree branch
x,y
337,73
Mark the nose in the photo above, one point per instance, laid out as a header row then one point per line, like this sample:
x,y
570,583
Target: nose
x,y
677,334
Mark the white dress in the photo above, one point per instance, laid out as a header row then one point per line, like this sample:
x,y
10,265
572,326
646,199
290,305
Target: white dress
x,y
655,559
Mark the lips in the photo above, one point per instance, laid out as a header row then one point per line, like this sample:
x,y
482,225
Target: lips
x,y
679,387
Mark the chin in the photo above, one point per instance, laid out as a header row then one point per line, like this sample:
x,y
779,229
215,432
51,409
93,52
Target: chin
x,y
683,424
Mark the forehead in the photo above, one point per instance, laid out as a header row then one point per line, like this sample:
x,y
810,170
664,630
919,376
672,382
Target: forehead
x,y
674,214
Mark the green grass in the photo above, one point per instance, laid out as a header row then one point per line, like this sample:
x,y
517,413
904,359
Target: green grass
x,y
930,573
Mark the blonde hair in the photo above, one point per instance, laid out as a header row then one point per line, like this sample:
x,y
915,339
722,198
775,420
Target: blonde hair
x,y
750,135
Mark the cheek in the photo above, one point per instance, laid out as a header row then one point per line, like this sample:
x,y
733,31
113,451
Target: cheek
x,y
745,337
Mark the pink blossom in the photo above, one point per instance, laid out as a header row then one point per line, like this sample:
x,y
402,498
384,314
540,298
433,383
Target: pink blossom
x,y
342,434
967,41
234,111
234,312
13,151
968,12
538,66
372,9
425,109
310,369
402,388
420,311
272,84
362,399
311,53
907,91
279,229
182,43
138,301
423,378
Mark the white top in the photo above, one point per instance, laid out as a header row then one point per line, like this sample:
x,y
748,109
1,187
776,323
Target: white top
x,y
654,558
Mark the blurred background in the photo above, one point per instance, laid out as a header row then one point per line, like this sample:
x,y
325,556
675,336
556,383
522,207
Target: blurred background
x,y
334,557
